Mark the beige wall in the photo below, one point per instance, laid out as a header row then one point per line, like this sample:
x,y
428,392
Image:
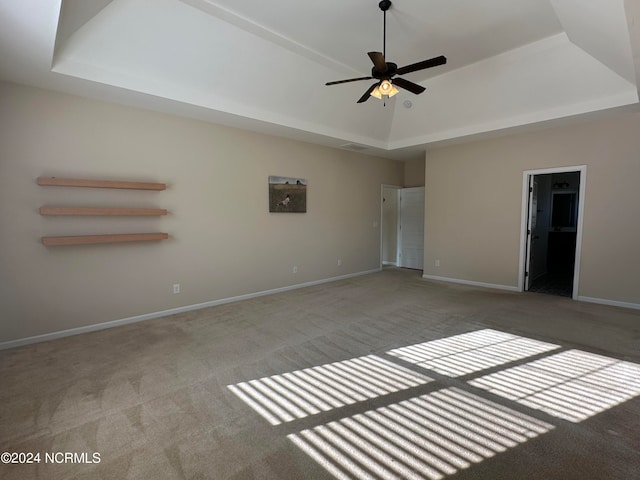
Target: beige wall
x,y
473,204
414,173
223,242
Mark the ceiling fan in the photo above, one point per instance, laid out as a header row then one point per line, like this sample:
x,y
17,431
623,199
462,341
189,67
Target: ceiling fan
x,y
384,71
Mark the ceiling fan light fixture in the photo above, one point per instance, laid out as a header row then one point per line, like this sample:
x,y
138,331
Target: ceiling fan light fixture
x,y
386,89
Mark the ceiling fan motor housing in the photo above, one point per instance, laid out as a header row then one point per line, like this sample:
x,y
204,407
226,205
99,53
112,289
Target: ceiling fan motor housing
x,y
386,75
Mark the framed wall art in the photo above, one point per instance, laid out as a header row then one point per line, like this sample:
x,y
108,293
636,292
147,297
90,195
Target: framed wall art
x,y
287,195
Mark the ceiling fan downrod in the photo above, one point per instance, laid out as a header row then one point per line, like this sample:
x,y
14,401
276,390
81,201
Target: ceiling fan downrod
x,y
384,6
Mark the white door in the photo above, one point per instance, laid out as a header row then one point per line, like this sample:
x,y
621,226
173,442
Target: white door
x,y
411,251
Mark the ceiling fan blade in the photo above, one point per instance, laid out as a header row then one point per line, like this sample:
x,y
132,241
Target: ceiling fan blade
x,y
414,67
407,85
348,80
367,94
378,61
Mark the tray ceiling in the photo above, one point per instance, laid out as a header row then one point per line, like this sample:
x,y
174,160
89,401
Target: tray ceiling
x,y
262,65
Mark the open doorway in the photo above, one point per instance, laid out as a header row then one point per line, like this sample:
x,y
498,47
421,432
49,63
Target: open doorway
x,y
402,227
552,230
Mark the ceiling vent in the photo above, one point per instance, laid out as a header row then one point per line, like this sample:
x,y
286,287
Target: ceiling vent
x,y
354,147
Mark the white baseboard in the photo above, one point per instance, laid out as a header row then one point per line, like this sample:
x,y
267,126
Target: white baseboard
x,y
601,301
472,283
187,308
613,303
393,264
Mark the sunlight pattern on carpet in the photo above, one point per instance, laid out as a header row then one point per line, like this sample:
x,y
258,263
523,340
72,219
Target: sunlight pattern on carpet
x,y
294,395
427,437
572,385
471,352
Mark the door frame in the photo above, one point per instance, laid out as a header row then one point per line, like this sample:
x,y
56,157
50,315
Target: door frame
x,y
394,187
582,170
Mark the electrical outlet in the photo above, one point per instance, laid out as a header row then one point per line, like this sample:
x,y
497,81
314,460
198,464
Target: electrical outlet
x,y
295,269
339,261
176,288
437,263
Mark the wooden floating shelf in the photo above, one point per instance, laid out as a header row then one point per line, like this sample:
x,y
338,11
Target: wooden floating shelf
x,y
78,182
96,239
102,211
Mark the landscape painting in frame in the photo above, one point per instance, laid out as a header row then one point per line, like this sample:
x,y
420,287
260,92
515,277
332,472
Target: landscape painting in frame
x,y
287,194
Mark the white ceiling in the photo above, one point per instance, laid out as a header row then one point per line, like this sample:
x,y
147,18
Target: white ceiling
x,y
262,65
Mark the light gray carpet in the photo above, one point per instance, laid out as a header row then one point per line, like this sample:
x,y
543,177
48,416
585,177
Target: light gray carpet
x,y
153,399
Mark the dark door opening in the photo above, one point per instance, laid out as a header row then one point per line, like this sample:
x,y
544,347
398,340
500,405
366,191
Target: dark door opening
x,y
552,233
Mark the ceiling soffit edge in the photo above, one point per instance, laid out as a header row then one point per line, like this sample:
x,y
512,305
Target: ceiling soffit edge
x,y
625,100
217,113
